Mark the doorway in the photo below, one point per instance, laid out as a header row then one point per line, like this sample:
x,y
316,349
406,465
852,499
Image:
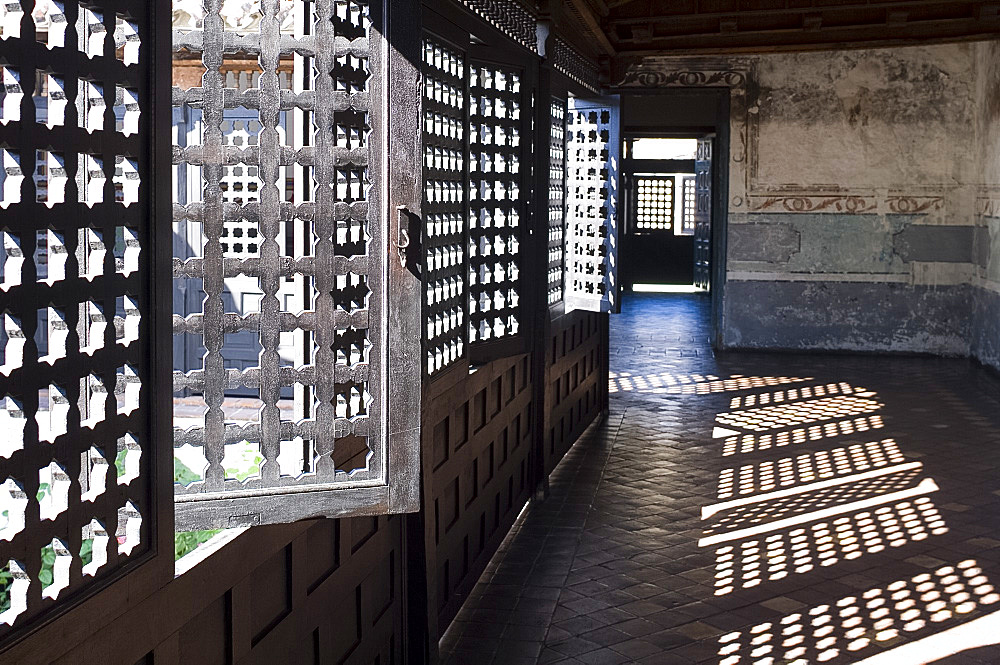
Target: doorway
x,y
673,218
660,205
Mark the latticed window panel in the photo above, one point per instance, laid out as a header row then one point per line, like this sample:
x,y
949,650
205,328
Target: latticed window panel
x,y
496,204
690,203
283,214
445,206
75,370
557,199
592,164
654,204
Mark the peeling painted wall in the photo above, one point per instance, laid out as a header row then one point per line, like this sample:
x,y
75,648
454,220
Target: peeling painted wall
x,y
855,181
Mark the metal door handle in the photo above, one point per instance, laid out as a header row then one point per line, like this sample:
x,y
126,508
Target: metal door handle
x,y
403,233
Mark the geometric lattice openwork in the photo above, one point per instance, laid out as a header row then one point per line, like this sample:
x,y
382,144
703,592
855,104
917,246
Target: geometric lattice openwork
x,y
445,206
690,202
286,395
654,203
592,167
497,118
75,304
557,198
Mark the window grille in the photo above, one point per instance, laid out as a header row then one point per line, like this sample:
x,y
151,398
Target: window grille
x,y
76,301
445,206
496,123
557,199
690,205
592,172
654,204
291,221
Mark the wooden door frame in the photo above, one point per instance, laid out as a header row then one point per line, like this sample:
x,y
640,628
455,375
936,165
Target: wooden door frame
x,y
721,157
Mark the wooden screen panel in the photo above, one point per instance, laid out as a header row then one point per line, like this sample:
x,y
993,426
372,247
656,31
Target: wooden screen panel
x,y
445,206
576,390
306,412
557,199
477,438
654,204
703,214
77,302
498,118
592,168
689,205
318,591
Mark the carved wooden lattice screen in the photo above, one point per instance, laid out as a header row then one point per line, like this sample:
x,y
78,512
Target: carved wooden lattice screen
x,y
689,205
445,205
311,413
703,214
557,198
654,204
592,168
498,117
79,355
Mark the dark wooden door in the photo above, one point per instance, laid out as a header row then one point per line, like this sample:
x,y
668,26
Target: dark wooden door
x,y
703,213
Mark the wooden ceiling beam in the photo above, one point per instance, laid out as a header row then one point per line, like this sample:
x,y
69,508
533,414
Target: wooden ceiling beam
x,y
613,21
776,41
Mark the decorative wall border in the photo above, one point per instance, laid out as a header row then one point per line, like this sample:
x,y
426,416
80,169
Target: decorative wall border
x,y
746,194
736,73
988,202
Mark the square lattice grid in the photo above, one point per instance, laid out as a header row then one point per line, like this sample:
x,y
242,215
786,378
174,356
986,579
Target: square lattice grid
x,y
654,204
283,207
496,116
557,199
690,201
445,205
591,201
75,456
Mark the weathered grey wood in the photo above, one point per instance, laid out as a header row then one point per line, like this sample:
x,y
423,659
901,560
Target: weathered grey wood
x,y
355,161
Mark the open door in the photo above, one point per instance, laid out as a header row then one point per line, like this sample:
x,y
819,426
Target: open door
x,y
703,213
593,144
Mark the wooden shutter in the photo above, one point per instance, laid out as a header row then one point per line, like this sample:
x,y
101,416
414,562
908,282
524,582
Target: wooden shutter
x,y
557,200
500,187
703,214
445,204
320,419
592,168
84,300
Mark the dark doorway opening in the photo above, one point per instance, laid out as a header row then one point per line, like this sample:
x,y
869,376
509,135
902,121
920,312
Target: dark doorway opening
x,y
675,152
660,203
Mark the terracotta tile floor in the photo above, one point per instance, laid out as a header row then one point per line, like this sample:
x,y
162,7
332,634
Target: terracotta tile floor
x,y
756,509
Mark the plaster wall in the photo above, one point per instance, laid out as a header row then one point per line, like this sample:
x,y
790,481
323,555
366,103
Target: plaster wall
x,y
854,182
986,281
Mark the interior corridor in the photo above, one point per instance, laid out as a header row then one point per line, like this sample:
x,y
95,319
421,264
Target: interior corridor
x,y
756,508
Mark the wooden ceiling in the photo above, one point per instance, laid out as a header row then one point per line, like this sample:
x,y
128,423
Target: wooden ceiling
x,y
632,28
